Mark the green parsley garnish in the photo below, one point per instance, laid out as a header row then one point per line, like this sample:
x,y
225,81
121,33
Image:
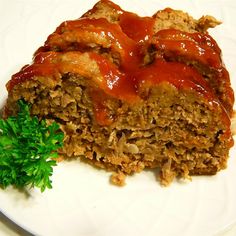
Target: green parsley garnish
x,y
28,150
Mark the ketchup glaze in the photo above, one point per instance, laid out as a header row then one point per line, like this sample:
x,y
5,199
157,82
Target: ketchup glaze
x,y
130,37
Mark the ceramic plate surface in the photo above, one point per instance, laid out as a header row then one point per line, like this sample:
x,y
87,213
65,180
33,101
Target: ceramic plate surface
x,y
82,202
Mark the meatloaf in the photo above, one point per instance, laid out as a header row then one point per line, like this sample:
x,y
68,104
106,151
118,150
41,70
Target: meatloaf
x,y
133,92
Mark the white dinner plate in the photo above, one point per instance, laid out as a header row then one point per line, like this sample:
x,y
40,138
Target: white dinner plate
x,y
82,202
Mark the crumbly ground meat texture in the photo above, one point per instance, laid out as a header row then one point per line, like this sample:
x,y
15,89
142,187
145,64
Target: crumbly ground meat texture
x,y
170,129
174,130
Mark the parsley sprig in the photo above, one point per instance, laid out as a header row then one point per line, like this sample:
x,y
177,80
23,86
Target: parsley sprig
x,y
28,150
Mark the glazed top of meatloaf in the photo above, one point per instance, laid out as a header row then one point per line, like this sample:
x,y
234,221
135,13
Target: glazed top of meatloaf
x,y
127,52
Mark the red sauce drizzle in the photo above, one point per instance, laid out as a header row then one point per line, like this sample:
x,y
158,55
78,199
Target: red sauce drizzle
x,y
115,82
140,29
195,46
128,38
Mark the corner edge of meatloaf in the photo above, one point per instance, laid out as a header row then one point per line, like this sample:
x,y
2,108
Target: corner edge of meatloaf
x,y
177,19
104,9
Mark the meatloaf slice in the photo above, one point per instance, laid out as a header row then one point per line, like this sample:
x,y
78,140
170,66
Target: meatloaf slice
x,y
130,98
